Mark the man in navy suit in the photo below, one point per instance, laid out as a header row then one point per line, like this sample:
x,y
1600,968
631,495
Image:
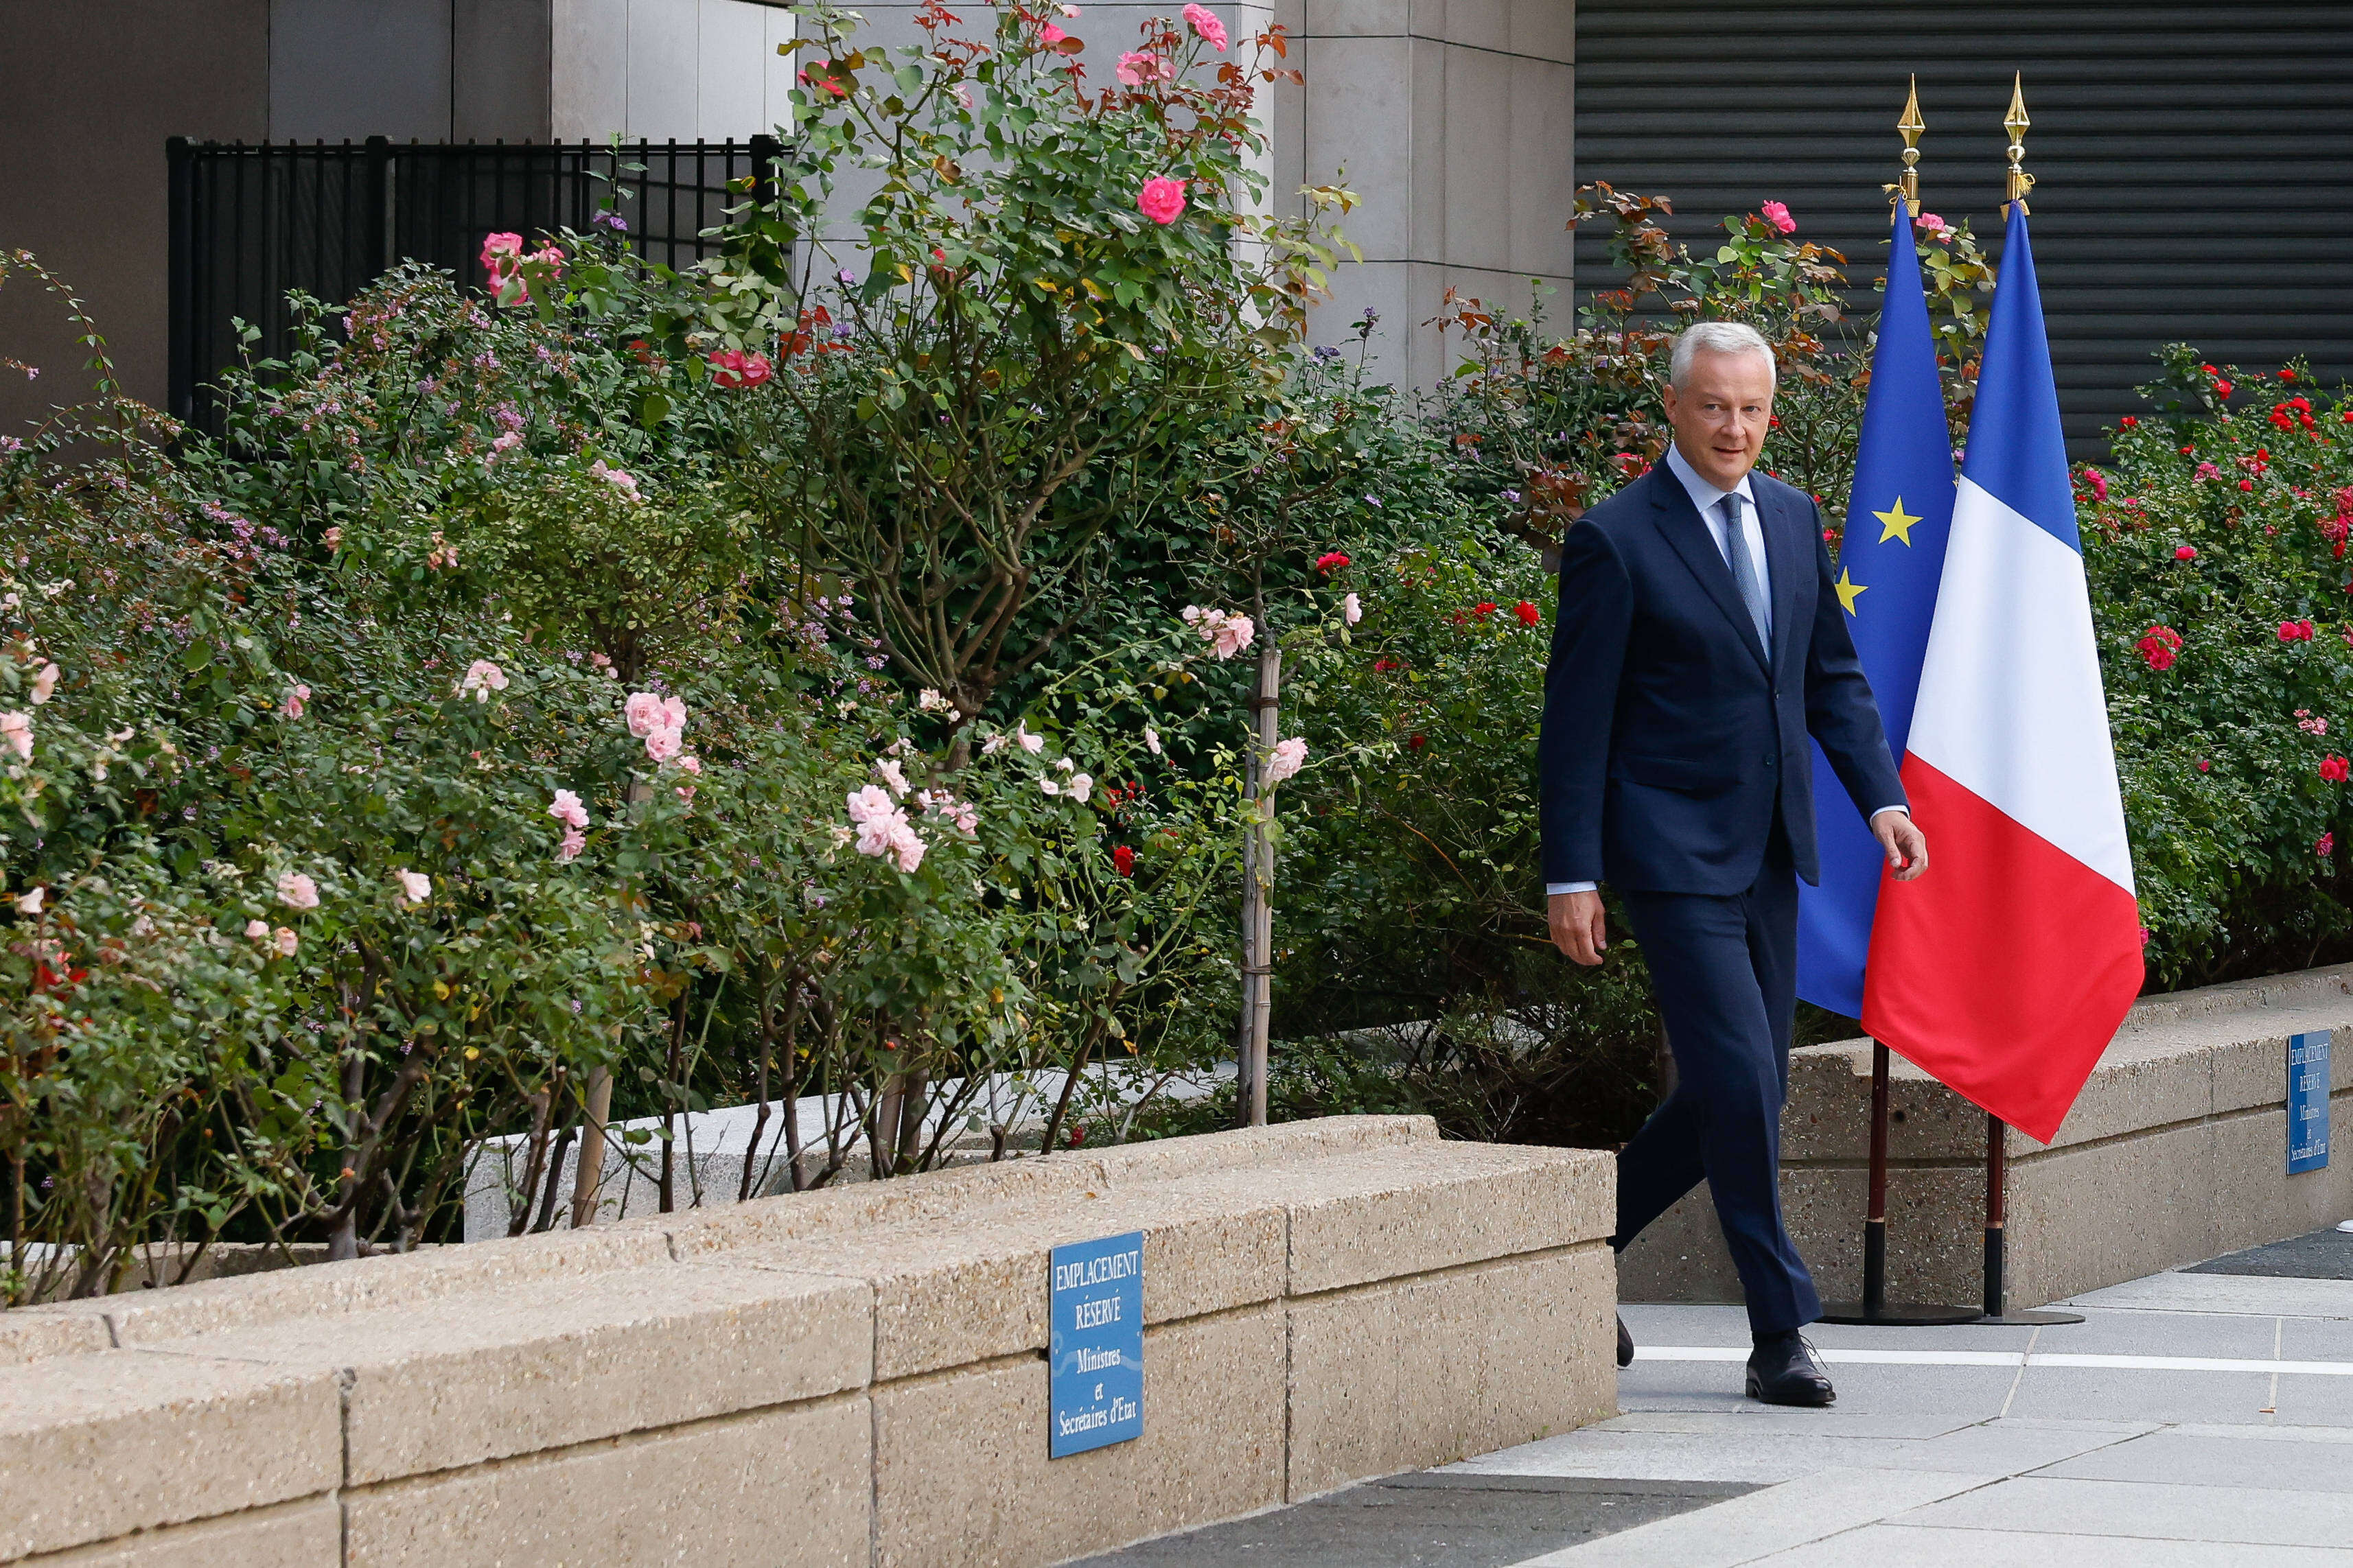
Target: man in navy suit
x,y
1700,641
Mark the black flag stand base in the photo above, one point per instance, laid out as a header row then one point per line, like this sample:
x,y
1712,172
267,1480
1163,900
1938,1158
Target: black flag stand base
x,y
1997,1216
1874,1311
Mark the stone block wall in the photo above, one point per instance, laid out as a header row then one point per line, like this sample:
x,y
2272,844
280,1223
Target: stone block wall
x,y
2175,1152
853,1376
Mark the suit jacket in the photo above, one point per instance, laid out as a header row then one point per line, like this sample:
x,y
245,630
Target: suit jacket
x,y
1672,742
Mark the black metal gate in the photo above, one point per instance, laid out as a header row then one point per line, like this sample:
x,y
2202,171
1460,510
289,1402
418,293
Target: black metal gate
x,y
249,222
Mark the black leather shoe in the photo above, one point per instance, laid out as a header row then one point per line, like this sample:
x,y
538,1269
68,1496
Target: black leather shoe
x,y
1625,1345
1784,1371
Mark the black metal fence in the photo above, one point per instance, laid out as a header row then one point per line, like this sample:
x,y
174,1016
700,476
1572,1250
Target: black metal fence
x,y
249,222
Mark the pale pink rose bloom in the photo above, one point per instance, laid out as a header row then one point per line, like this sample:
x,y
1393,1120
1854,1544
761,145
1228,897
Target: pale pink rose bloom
x,y
644,713
689,764
906,845
994,744
574,842
674,713
1162,199
1204,21
930,701
1033,745
875,836
30,904
662,743
501,251
334,539
1231,635
1080,785
297,892
1050,786
1070,11
1352,609
45,683
292,706
567,810
686,793
415,887
968,820
887,770
1288,758
1065,765
869,801
1151,739
17,732
256,930
286,942
482,677
620,479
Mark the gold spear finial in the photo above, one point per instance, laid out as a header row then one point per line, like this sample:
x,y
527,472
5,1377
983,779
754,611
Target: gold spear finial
x,y
1909,127
2017,124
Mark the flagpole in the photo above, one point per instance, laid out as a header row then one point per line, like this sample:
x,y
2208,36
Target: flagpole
x,y
1873,1310
1997,1212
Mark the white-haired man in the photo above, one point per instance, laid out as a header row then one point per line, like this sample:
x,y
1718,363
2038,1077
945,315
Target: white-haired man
x,y
1699,644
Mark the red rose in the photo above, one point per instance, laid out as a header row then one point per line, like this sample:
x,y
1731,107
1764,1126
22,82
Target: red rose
x,y
1484,608
2222,387
2326,847
1416,744
2295,631
1330,563
2184,552
2129,423
2246,484
1122,860
1529,614
2159,646
2335,769
2204,766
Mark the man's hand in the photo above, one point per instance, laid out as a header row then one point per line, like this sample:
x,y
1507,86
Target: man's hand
x,y
1907,846
1579,926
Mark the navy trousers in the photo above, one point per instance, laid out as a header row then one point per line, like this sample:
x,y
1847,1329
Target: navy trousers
x,y
1725,970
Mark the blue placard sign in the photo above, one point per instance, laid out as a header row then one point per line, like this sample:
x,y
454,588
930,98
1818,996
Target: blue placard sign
x,y
1095,1357
2307,1101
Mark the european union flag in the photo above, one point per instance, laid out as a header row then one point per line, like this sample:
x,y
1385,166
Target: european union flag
x,y
1898,520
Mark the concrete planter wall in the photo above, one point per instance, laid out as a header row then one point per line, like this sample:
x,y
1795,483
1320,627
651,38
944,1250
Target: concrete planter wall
x,y
845,1377
2177,1152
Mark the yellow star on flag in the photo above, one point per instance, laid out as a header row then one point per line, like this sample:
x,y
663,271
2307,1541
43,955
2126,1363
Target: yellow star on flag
x,y
1849,590
1899,524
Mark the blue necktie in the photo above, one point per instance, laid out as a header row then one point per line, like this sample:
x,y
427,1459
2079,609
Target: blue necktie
x,y
1743,570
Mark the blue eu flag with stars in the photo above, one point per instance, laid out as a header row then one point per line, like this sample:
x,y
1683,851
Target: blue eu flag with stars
x,y
1898,520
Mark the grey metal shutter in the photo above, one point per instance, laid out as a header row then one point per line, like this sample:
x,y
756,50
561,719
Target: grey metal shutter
x,y
2195,160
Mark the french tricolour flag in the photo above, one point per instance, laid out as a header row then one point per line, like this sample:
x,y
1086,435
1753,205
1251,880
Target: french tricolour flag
x,y
2004,971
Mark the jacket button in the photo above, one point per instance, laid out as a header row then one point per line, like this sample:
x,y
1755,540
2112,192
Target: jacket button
x,y
1770,760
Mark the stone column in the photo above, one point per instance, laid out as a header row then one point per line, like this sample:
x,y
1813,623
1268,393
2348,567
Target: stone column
x,y
1453,120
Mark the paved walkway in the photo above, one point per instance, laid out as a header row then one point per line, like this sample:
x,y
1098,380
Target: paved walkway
x,y
2193,1419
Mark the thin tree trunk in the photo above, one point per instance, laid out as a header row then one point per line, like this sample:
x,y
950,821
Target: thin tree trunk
x,y
343,1242
542,1107
675,1063
553,1185
591,1173
1258,896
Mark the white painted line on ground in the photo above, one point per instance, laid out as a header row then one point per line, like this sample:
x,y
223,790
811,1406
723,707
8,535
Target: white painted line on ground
x,y
2012,1358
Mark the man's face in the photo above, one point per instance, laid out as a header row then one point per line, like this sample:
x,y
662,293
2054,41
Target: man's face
x,y
1720,414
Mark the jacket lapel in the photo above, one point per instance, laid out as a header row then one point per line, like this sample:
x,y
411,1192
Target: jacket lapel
x,y
1679,521
1790,555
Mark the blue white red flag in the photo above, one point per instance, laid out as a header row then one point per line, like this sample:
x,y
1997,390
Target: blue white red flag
x,y
2004,971
1898,517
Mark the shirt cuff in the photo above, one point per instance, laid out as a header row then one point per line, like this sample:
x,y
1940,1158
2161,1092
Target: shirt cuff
x,y
1884,809
1552,889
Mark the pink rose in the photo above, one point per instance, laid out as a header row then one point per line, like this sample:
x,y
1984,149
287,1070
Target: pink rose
x,y
1226,633
662,743
292,706
286,942
415,887
568,810
574,842
256,930
869,803
482,679
1351,610
501,252
1138,67
689,764
1204,21
906,845
1779,216
1162,199
17,732
1051,35
1934,225
643,710
2184,552
297,892
1287,759
1079,786
45,683
887,770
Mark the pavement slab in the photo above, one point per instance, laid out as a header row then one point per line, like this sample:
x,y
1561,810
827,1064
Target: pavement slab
x,y
1901,1546
2154,1511
1775,1519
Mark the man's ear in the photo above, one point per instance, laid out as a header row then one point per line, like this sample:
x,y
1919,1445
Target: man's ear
x,y
1667,399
